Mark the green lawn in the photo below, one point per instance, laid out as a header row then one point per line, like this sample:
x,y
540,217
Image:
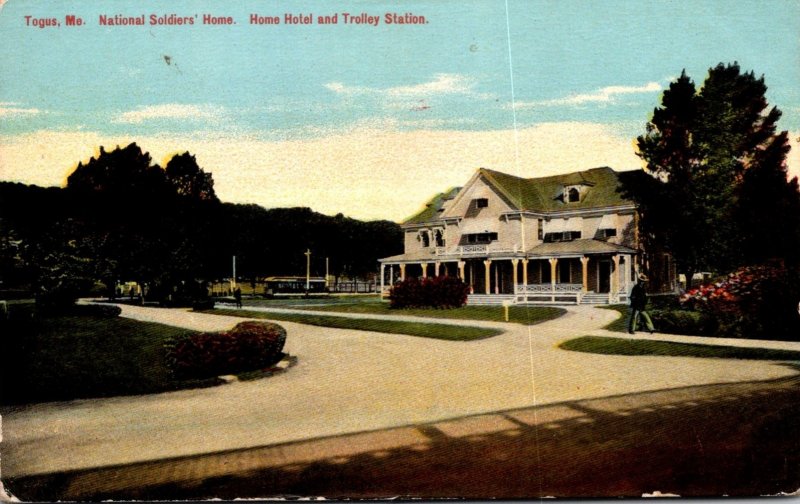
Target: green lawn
x,y
301,302
526,315
60,358
621,324
621,346
425,330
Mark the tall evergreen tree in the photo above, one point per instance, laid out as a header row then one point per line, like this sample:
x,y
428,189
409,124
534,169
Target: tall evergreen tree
x,y
716,160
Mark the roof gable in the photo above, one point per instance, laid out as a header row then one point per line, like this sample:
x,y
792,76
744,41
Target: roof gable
x,y
538,194
477,186
432,208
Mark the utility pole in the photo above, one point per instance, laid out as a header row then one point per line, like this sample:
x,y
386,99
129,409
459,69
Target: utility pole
x,y
233,280
308,269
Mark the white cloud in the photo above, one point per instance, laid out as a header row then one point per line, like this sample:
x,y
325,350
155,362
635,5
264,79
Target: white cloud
x,y
442,84
604,95
170,111
10,109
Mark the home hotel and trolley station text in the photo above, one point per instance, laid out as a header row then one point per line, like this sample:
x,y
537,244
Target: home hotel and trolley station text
x,y
338,18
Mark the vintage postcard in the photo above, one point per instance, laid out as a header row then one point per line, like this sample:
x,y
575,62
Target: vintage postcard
x,y
362,249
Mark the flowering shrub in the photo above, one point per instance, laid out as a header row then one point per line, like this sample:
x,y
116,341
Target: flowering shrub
x,y
753,301
437,292
248,346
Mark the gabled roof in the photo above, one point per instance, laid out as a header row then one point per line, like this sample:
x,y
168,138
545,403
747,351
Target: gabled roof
x,y
541,194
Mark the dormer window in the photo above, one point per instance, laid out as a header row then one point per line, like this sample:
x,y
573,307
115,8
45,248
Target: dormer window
x,y
573,195
482,203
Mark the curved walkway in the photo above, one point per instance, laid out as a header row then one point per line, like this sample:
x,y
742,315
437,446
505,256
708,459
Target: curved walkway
x,y
347,382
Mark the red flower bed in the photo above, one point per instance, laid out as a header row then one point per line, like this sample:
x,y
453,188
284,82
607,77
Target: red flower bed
x,y
247,347
437,292
752,302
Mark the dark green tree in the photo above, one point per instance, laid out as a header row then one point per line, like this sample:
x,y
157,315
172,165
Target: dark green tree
x,y
714,157
189,179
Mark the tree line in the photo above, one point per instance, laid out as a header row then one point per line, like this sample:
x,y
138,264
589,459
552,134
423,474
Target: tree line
x,y
121,217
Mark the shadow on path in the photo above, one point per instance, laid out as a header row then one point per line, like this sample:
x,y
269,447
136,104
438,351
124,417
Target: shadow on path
x,y
739,439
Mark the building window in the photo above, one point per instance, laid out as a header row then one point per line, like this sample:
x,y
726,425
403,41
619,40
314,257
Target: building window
x,y
563,236
573,195
482,203
425,238
608,233
541,229
438,238
481,237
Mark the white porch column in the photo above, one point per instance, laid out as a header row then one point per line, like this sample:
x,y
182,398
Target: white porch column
x,y
402,271
553,263
614,294
514,264
585,269
391,274
461,265
436,268
424,269
383,273
488,264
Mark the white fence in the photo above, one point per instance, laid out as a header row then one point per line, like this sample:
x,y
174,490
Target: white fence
x,y
477,250
559,293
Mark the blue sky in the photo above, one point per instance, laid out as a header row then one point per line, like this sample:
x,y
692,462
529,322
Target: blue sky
x,y
236,95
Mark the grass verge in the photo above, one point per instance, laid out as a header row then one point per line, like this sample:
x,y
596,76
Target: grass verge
x,y
71,357
526,315
621,324
425,330
621,346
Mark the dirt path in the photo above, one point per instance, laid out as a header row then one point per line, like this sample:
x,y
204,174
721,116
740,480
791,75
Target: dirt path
x,y
346,382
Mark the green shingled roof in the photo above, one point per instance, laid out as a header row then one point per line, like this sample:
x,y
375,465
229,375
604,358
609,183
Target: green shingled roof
x,y
431,210
541,194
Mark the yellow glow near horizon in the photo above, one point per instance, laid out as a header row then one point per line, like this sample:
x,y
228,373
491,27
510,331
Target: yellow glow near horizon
x,y
365,174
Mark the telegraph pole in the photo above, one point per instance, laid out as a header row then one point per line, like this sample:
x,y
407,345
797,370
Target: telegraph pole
x,y
308,269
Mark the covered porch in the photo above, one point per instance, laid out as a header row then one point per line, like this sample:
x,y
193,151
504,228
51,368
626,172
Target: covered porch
x,y
576,272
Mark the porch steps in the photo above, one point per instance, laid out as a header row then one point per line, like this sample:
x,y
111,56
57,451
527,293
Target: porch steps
x,y
489,299
595,298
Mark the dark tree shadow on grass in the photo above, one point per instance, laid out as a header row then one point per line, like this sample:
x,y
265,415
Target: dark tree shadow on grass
x,y
738,439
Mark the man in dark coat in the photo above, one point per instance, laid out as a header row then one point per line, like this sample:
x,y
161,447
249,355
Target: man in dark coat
x,y
638,300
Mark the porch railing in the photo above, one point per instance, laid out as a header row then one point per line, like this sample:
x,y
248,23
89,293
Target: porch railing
x,y
559,293
548,288
470,250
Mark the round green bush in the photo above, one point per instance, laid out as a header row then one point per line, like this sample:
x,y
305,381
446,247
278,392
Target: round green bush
x,y
687,322
247,347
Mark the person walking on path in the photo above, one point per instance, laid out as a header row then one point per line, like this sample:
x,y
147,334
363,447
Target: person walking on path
x,y
237,295
639,306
